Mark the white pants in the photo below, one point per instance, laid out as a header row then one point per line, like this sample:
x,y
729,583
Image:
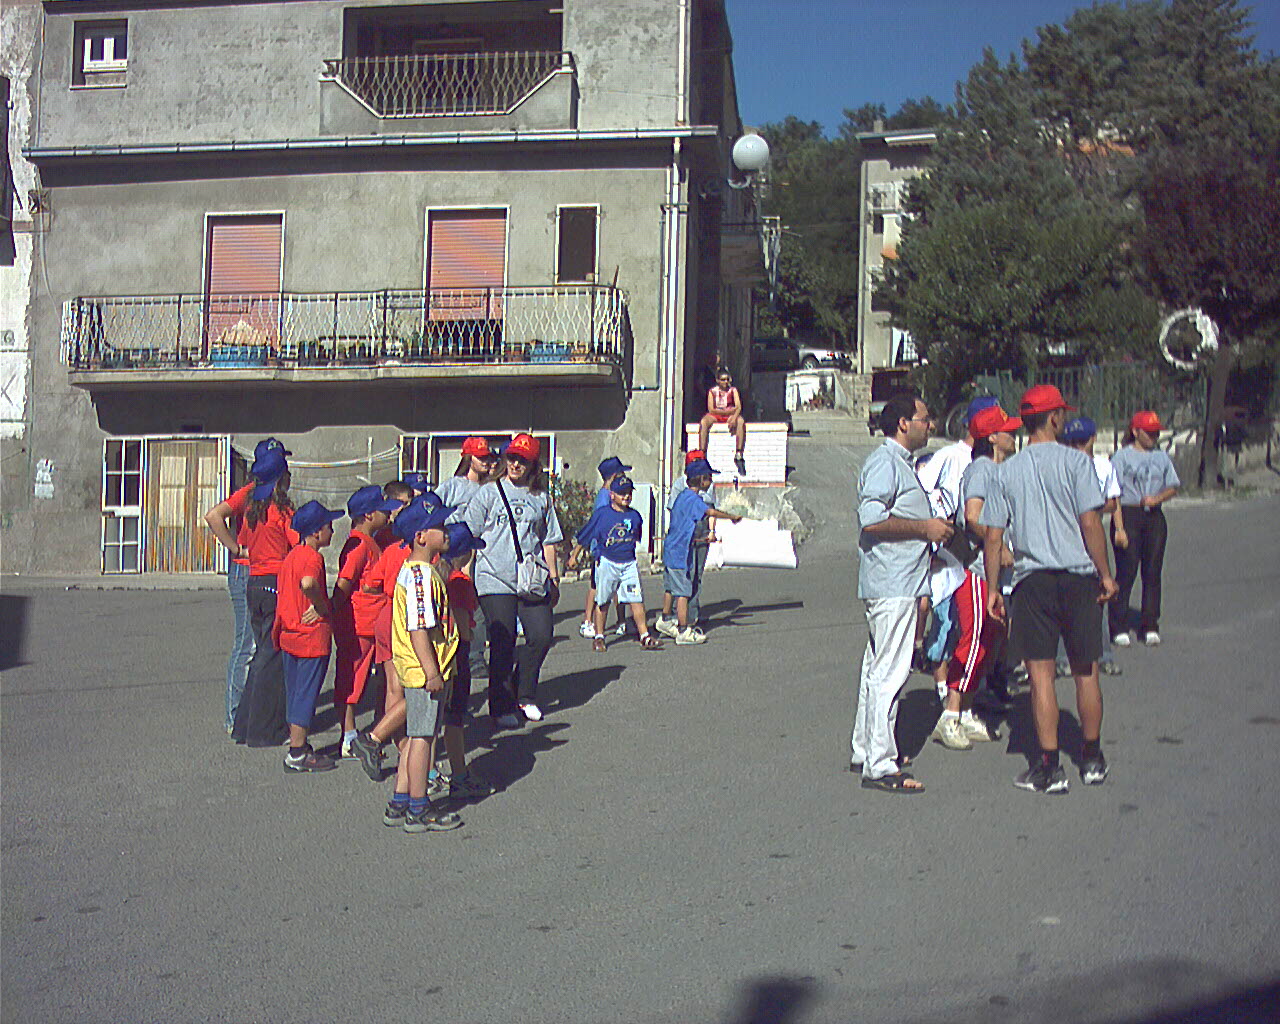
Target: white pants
x,y
886,665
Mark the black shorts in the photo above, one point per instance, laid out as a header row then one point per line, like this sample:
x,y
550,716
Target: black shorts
x,y
1053,603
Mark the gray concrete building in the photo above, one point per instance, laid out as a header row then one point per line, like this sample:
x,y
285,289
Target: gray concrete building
x,y
891,159
369,229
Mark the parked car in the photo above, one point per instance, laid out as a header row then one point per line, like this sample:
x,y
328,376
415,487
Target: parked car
x,y
796,354
814,354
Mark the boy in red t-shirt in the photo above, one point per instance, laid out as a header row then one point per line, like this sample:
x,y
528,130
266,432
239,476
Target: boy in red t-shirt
x,y
302,633
356,605
724,405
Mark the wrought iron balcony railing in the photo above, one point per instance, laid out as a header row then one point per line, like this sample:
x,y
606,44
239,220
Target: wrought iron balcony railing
x,y
444,85
561,324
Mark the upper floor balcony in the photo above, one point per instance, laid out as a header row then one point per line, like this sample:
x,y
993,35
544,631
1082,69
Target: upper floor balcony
x,y
569,335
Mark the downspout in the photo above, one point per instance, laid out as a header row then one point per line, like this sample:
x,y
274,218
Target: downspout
x,y
862,270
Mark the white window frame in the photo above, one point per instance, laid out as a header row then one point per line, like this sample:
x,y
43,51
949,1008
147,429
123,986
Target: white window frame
x,y
108,32
550,461
595,272
121,511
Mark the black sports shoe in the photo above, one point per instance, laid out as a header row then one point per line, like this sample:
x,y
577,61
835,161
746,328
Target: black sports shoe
x,y
393,816
308,761
1042,779
369,751
1093,771
740,464
431,820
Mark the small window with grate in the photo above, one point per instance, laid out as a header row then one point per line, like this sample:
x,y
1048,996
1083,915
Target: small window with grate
x,y
101,53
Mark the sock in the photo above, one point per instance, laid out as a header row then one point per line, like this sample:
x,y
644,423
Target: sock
x,y
418,804
348,736
1049,758
400,800
1092,748
297,751
951,714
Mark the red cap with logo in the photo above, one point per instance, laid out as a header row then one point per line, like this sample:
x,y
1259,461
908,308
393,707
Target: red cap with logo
x,y
992,420
694,456
1146,420
1042,398
476,446
523,445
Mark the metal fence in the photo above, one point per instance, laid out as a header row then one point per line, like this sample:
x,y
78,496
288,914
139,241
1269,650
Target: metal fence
x,y
572,323
1110,393
437,85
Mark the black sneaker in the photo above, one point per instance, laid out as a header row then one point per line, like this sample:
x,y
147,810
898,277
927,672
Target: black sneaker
x,y
369,752
393,816
308,761
1043,779
1093,771
740,463
432,820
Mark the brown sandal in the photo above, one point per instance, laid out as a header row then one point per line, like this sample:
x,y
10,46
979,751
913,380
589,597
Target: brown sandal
x,y
597,645
650,642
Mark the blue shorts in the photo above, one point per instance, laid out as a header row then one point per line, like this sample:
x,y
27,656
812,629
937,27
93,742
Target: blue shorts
x,y
302,680
679,582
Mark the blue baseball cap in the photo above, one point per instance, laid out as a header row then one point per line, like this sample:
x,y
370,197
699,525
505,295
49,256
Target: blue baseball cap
x,y
612,466
622,484
1079,429
369,499
978,404
698,467
269,467
462,541
312,518
269,444
425,512
418,481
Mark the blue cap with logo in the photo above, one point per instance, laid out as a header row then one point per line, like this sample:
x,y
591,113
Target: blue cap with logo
x,y
978,404
267,468
418,481
312,518
612,466
698,467
425,512
1079,429
268,444
369,499
462,541
622,484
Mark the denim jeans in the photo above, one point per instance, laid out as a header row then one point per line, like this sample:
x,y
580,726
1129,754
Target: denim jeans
x,y
242,643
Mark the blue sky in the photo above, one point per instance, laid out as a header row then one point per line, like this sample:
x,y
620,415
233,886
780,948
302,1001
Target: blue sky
x,y
813,58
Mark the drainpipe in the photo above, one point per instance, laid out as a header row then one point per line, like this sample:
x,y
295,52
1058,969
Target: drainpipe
x,y
862,271
671,218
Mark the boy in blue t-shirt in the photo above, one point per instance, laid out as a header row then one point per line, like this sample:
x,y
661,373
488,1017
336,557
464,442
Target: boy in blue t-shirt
x,y
612,531
610,469
682,575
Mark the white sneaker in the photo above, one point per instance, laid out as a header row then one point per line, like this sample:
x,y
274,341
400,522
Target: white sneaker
x,y
621,630
586,630
1151,639
977,730
1121,640
667,627
689,635
951,734
532,712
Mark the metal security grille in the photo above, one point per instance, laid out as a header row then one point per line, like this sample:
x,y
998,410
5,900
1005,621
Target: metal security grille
x,y
421,85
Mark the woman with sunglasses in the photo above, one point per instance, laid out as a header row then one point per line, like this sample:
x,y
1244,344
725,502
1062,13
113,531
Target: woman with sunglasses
x,y
520,487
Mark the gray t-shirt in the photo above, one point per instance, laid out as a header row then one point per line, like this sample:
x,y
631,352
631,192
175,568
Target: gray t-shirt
x,y
536,524
458,490
976,482
1142,474
888,487
1037,499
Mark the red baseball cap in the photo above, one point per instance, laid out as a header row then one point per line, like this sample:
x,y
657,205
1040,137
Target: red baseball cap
x,y
992,420
1042,398
523,445
1146,420
694,456
476,446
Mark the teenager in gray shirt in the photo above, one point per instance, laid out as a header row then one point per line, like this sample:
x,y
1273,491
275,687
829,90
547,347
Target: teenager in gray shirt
x,y
513,700
1045,504
897,527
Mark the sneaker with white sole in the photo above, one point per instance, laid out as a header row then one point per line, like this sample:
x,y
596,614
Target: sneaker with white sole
x,y
469,786
1121,640
1042,779
1151,638
667,627
586,630
977,730
690,635
531,712
307,760
621,629
1093,770
431,820
951,734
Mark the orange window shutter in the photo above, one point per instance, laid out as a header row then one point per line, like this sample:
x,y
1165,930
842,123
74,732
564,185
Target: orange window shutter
x,y
466,257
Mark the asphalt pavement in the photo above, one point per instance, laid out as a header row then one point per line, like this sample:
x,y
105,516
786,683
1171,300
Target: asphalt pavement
x,y
678,841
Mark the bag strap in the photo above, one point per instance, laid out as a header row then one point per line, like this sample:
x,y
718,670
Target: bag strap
x,y
511,521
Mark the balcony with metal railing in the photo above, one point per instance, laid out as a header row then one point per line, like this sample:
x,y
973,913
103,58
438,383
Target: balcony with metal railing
x,y
449,91
570,334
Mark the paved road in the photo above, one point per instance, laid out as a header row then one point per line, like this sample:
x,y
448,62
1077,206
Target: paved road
x,y
677,842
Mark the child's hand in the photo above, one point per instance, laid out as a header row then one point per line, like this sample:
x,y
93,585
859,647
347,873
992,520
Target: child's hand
x,y
735,519
434,683
310,617
573,561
